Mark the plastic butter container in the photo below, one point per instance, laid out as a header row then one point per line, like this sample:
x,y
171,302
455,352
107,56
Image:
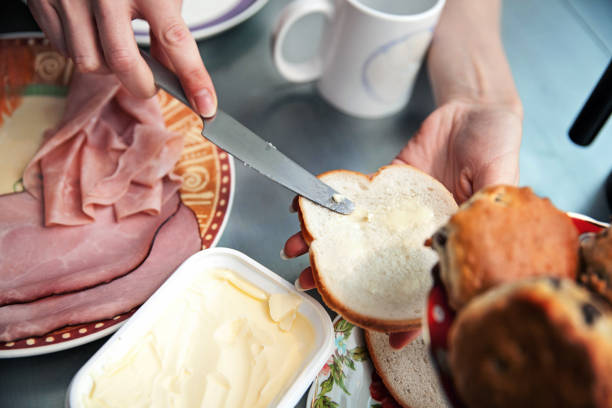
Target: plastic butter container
x,y
203,276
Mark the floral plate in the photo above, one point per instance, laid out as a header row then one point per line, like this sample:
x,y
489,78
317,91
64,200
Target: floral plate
x,y
440,317
32,99
207,18
348,379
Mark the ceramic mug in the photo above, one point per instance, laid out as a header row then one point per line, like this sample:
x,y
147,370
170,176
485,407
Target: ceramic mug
x,y
370,53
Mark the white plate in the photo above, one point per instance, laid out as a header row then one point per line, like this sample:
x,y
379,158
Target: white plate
x,y
206,18
203,262
345,379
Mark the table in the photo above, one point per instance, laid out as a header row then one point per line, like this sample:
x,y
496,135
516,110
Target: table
x,y
557,50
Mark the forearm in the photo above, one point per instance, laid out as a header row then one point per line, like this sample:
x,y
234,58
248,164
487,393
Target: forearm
x,y
467,60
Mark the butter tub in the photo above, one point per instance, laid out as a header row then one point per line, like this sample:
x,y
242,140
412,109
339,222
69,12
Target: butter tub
x,y
116,351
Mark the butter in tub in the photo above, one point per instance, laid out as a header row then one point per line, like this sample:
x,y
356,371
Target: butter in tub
x,y
224,343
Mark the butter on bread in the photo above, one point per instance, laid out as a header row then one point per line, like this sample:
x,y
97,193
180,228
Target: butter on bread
x,y
502,234
408,373
371,266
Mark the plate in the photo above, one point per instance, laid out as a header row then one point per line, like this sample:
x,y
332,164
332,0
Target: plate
x,y
36,85
440,317
207,18
348,378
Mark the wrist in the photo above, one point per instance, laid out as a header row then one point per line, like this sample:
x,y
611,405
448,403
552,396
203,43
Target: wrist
x,y
510,104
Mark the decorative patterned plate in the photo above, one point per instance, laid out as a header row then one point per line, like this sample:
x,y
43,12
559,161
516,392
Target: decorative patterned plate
x,y
348,379
440,317
32,97
207,18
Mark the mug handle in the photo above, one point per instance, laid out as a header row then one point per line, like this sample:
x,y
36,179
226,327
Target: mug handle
x,y
298,71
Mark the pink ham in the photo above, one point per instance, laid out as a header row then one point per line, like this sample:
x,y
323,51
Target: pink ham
x,y
37,261
110,149
107,300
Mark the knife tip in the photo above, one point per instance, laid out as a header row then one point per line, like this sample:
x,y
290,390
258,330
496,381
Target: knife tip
x,y
345,206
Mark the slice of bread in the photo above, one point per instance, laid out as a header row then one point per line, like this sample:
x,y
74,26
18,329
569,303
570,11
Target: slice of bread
x,y
372,266
408,373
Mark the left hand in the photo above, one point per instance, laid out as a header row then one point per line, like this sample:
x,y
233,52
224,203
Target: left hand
x,y
467,146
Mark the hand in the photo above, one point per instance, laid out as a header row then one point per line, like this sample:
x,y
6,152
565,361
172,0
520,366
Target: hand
x,y
468,146
296,246
98,36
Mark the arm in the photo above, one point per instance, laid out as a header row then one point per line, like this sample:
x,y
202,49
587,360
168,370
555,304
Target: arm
x,y
473,138
467,61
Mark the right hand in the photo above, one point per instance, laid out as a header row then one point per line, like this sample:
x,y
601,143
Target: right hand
x,y
98,36
296,246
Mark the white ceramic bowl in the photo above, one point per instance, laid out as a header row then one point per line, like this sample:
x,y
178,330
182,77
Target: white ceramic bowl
x,y
202,262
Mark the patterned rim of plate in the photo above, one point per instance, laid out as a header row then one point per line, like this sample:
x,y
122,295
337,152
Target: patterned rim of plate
x,y
439,317
242,11
210,196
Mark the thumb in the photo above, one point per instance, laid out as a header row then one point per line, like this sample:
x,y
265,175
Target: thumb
x,y
501,171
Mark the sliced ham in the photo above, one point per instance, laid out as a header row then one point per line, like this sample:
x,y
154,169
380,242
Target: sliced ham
x,y
176,240
110,149
37,261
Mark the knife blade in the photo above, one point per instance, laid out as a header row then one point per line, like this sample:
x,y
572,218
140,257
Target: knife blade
x,y
237,140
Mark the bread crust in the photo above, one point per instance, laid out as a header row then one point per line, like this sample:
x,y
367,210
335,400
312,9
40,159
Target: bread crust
x,y
361,320
381,372
502,234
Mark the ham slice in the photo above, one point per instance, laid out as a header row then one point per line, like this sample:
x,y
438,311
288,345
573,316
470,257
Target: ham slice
x,y
176,240
110,149
37,261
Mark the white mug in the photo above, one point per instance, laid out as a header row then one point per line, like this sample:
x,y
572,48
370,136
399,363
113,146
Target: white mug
x,y
370,53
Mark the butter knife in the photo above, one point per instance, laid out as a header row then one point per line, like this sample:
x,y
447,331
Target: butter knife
x,y
237,140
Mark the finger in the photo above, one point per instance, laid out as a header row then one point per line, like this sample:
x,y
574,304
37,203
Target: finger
x,y
306,280
81,36
295,246
158,52
180,47
49,21
504,170
120,50
294,204
415,154
399,340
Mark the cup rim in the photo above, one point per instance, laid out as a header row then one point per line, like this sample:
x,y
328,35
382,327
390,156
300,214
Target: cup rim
x,y
432,11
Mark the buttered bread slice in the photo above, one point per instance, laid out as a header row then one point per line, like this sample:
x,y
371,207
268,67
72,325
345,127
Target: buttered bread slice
x,y
372,266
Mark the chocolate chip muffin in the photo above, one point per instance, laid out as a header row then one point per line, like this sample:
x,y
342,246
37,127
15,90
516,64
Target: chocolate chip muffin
x,y
541,342
503,234
596,263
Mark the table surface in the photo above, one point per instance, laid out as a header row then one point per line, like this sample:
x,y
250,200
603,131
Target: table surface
x,y
557,50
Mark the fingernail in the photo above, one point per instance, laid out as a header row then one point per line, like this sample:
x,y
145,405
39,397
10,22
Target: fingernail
x,y
205,103
298,287
283,255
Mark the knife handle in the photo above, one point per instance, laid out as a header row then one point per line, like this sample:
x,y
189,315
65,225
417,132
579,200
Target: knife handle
x,y
595,111
165,79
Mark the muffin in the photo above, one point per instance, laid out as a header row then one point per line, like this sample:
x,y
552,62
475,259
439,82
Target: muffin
x,y
503,234
541,342
596,263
